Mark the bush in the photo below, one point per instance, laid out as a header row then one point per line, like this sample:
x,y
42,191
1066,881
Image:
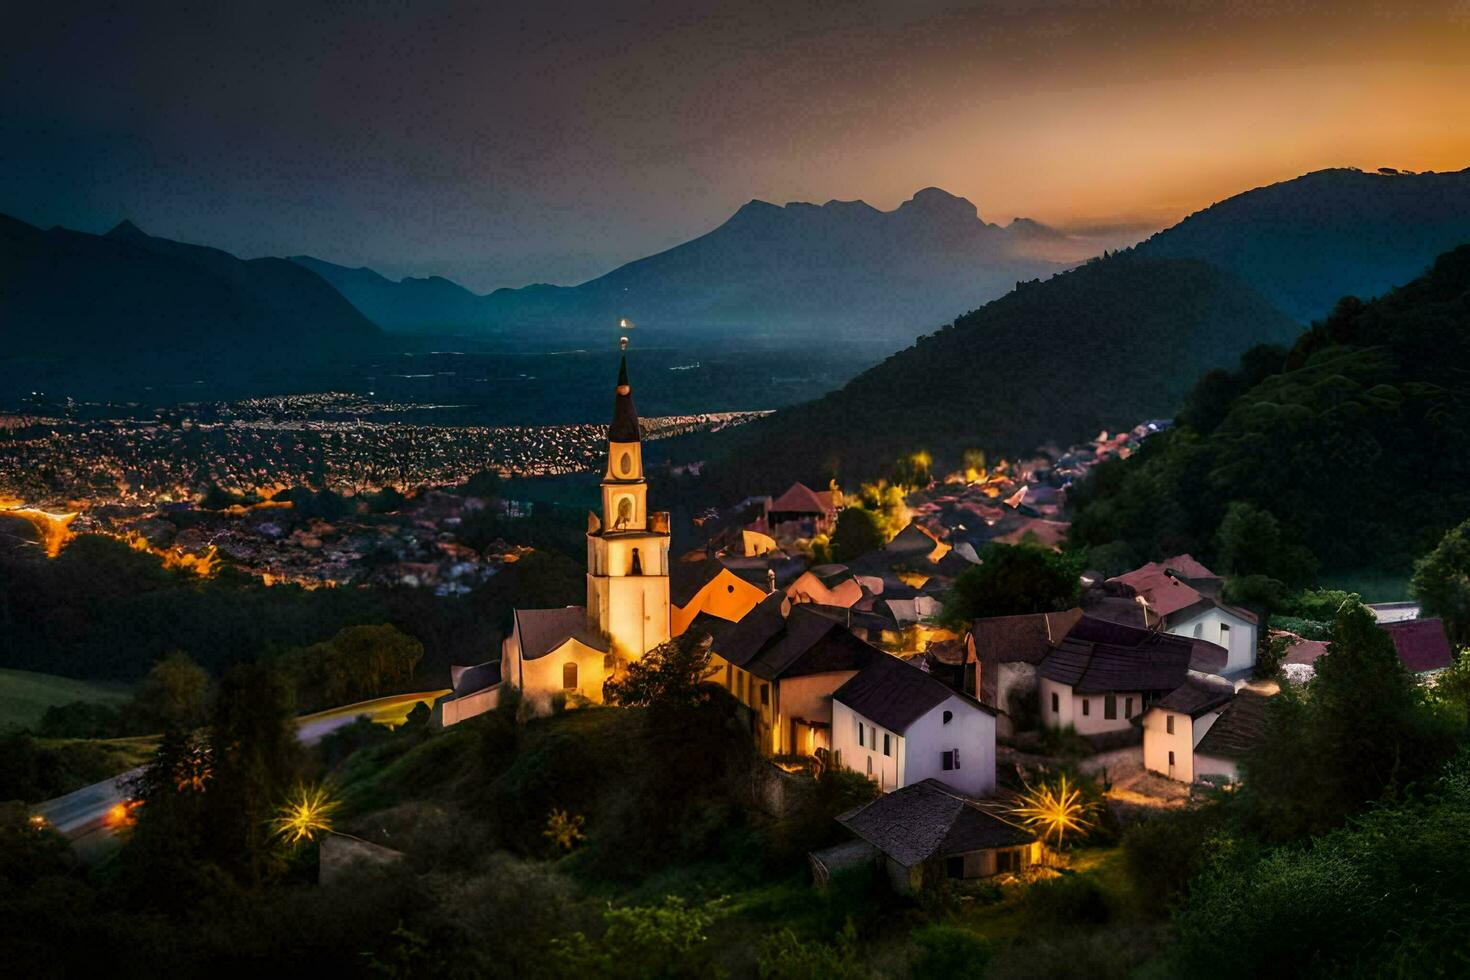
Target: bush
x,y
1163,853
785,957
1063,902
947,952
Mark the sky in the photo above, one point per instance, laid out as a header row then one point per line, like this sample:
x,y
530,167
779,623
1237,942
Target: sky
x,y
499,144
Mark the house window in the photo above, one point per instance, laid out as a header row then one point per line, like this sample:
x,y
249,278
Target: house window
x,y
1127,707
765,695
1171,758
569,675
1007,861
954,867
1110,707
1169,725
1225,635
860,734
1056,704
870,766
1086,707
886,748
1199,631
950,760
948,717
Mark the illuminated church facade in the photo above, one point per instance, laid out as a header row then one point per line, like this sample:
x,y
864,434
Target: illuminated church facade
x,y
568,653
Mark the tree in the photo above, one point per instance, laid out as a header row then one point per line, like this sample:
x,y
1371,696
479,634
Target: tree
x,y
256,761
359,662
1250,541
669,675
858,532
1013,580
661,941
1361,730
175,694
1441,583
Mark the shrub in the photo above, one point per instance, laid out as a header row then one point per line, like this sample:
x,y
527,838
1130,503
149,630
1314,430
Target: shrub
x,y
947,952
1065,901
783,956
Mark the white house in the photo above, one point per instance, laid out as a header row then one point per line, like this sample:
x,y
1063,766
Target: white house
x,y
1176,723
1103,674
898,725
1194,735
1003,652
1182,597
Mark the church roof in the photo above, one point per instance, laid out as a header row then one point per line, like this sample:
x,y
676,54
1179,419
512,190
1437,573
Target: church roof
x,y
544,630
624,426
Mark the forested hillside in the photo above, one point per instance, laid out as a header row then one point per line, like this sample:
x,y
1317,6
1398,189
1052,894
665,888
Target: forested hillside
x,y
1354,441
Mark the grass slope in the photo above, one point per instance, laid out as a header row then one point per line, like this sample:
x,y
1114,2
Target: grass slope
x,y
25,695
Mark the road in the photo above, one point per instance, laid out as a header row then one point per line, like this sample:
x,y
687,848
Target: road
x,y
90,815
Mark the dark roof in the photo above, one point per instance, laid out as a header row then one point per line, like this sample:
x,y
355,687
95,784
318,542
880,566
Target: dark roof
x,y
468,680
1195,697
1421,643
686,578
624,426
895,694
771,645
929,819
543,630
1099,656
704,624
1021,639
1240,726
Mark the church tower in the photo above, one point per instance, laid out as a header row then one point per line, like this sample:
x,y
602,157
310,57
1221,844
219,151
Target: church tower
x,y
627,547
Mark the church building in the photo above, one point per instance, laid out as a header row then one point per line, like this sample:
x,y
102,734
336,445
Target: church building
x,y
569,652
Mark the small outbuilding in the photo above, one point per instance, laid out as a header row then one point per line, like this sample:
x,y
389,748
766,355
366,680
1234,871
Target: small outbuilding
x,y
929,831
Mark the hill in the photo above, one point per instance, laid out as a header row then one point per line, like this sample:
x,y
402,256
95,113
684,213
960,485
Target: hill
x,y
124,299
1354,440
432,305
1108,344
25,696
1305,242
843,268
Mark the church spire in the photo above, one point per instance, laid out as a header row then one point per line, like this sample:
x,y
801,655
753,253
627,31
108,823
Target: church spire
x,y
625,417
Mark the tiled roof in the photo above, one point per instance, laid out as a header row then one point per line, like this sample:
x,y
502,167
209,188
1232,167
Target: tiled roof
x,y
1021,639
1165,594
1098,656
895,694
544,630
1195,697
1421,643
1240,726
800,499
929,819
770,645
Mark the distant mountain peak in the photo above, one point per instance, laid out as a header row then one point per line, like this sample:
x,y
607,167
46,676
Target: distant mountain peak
x,y
939,202
1032,228
126,231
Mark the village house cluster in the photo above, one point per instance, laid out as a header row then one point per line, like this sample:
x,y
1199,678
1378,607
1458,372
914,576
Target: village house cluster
x,y
842,663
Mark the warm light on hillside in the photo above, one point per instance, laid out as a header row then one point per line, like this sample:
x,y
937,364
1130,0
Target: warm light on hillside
x,y
204,564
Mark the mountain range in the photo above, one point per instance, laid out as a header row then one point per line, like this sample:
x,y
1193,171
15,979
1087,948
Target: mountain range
x,y
801,269
73,297
1121,338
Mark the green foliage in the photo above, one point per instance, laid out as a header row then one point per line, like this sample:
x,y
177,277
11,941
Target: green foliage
x,y
671,674
358,663
784,956
858,532
1063,902
1441,583
1250,542
175,694
25,697
1012,580
1375,898
660,941
1362,729
1375,389
1164,852
1269,654
945,952
33,771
